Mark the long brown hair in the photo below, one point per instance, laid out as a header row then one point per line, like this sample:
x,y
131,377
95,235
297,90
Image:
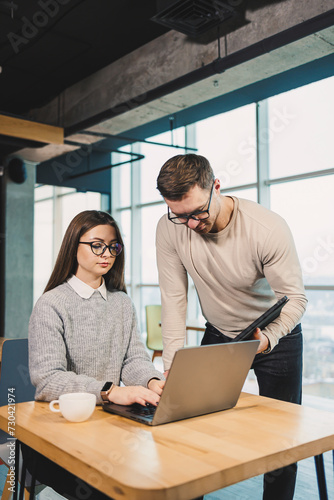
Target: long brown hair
x,y
67,264
181,173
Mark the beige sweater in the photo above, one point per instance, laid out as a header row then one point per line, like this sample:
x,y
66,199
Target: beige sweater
x,y
238,274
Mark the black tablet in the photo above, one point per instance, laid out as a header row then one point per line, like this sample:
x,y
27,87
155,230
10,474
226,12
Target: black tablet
x,y
263,320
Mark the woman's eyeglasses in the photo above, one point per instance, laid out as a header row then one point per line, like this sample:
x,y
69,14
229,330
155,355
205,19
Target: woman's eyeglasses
x,y
99,248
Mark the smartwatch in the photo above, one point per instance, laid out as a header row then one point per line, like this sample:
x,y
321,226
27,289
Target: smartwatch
x,y
106,390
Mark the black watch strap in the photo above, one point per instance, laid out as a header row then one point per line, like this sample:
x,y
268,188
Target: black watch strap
x,y
106,390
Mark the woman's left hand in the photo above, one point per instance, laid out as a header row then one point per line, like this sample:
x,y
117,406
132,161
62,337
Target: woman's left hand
x,y
156,385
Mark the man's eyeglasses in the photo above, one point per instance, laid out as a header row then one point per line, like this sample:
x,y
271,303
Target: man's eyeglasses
x,y
99,248
197,215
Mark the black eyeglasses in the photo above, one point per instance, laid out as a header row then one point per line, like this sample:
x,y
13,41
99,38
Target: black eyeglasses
x,y
99,248
197,215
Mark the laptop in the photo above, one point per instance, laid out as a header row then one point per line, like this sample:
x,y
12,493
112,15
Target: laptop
x,y
201,380
264,320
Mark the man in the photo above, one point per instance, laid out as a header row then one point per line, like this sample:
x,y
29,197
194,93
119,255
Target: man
x,y
242,259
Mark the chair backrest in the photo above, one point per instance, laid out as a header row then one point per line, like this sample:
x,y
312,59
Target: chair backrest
x,y
15,381
14,373
153,326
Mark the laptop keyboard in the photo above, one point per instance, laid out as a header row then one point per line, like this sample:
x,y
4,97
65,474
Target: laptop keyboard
x,y
143,411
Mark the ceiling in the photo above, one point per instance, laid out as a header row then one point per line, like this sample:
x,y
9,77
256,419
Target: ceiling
x,y
48,45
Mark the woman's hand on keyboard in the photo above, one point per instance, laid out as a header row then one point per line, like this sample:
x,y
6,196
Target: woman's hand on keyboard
x,y
156,385
133,394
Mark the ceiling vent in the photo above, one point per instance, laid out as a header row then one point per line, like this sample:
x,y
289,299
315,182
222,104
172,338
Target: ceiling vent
x,y
194,17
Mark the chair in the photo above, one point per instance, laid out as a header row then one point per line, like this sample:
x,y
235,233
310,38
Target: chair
x,y
14,374
153,326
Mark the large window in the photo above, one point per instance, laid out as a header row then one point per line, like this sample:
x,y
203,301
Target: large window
x,y
54,209
301,190
138,210
232,156
301,125
277,152
308,205
43,236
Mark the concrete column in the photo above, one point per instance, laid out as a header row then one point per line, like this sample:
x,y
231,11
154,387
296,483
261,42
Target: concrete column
x,y
17,241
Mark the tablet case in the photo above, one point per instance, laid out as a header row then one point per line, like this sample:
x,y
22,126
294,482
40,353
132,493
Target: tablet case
x,y
263,320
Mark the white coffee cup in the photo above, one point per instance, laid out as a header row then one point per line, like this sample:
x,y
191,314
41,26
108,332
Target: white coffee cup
x,y
75,406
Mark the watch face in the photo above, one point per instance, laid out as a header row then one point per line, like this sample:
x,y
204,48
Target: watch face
x,y
106,386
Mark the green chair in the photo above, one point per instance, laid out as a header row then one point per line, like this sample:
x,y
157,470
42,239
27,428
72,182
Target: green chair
x,y
153,327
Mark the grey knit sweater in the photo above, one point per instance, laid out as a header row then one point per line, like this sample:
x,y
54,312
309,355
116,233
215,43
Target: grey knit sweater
x,y
76,344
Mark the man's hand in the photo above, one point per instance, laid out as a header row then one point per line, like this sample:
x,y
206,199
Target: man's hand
x,y
156,385
264,342
133,394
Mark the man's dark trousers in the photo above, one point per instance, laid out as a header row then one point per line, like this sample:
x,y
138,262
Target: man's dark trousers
x,y
279,376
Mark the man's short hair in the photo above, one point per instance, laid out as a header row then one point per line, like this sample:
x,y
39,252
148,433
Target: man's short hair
x,y
181,173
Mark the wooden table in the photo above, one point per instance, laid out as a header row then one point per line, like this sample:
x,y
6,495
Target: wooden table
x,y
180,460
195,325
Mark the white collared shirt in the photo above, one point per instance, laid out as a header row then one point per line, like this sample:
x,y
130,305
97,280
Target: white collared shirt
x,y
85,291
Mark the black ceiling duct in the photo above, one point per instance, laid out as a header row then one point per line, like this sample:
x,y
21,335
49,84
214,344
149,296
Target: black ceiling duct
x,y
192,17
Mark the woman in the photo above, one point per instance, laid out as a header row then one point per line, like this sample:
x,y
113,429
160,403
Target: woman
x,y
83,331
